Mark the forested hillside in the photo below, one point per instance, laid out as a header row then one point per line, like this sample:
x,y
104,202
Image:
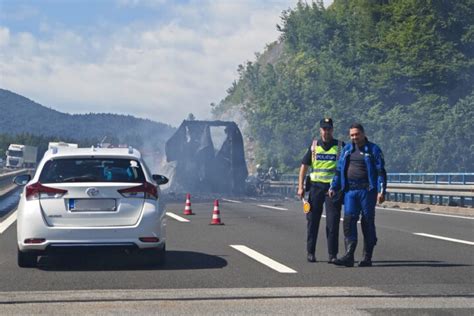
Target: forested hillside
x,y
404,69
26,122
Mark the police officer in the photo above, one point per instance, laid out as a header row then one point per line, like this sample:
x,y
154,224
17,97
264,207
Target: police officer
x,y
322,157
361,175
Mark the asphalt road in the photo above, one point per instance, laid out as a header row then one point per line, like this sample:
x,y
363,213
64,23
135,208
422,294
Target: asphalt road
x,y
411,273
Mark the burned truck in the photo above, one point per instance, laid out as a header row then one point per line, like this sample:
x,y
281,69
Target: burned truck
x,y
208,156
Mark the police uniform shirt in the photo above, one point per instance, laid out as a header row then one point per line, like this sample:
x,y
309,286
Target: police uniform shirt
x,y
326,146
307,159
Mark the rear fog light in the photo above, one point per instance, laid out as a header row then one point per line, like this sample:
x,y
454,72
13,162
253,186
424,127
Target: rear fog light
x,y
149,239
34,240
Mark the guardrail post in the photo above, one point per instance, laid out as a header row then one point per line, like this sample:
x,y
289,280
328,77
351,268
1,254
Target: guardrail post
x,y
450,200
421,198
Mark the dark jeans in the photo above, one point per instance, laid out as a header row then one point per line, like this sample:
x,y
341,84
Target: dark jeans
x,y
317,198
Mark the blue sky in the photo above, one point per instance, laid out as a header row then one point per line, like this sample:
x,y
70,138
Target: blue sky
x,y
156,59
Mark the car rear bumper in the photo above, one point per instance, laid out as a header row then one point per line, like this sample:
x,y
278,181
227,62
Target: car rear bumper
x,y
90,248
31,225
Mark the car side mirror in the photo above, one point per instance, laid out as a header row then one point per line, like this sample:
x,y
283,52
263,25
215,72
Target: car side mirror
x,y
22,179
159,179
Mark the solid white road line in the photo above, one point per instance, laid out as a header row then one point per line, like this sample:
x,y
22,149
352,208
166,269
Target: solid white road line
x,y
177,217
263,259
424,213
273,207
446,238
6,223
232,201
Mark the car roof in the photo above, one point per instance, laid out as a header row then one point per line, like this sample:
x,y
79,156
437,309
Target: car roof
x,y
71,152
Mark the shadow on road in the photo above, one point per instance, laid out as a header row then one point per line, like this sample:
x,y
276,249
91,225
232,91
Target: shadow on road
x,y
175,260
416,263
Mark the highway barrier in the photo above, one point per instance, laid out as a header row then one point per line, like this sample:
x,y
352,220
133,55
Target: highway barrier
x,y
452,189
6,180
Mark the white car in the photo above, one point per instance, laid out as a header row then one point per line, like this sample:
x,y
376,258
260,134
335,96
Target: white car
x,y
90,197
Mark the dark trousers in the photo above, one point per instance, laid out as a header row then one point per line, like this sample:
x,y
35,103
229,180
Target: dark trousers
x,y
317,198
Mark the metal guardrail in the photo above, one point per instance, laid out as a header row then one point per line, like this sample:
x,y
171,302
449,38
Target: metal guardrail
x,y
6,180
452,189
441,178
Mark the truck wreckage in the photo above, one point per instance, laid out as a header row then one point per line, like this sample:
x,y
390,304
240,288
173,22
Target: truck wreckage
x,y
201,164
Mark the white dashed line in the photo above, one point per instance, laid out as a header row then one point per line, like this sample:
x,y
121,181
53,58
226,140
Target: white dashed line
x,y
446,238
273,207
263,259
342,219
6,223
231,201
423,213
177,217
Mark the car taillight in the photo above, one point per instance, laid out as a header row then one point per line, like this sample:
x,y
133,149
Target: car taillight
x,y
145,190
37,190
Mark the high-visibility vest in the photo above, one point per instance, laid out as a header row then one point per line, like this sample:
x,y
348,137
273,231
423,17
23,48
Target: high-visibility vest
x,y
324,162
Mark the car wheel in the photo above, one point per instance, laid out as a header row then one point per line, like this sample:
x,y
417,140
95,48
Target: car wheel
x,y
154,257
26,260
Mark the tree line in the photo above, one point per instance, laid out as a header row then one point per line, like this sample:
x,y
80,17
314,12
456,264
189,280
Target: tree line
x,y
404,69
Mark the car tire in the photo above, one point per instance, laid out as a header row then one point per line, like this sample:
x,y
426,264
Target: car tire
x,y
155,257
26,260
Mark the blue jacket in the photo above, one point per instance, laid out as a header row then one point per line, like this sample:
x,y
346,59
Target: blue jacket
x,y
375,168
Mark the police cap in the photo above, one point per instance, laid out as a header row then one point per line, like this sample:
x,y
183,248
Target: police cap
x,y
326,123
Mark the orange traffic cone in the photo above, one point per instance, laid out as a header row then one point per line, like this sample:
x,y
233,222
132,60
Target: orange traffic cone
x,y
216,218
187,208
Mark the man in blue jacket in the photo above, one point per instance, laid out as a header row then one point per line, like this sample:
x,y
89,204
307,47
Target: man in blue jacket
x,y
361,174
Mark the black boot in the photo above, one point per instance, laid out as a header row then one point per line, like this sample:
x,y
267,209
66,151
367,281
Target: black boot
x,y
368,245
311,257
367,261
348,259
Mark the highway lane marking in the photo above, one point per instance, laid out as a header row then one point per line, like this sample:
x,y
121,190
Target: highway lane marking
x,y
263,259
273,207
446,238
6,223
177,217
423,213
341,219
231,201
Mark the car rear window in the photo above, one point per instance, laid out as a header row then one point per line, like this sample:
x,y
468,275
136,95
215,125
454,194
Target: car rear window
x,y
92,170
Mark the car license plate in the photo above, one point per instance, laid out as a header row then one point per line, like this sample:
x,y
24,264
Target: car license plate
x,y
92,205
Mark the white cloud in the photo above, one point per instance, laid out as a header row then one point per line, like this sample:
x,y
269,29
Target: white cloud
x,y
162,71
4,36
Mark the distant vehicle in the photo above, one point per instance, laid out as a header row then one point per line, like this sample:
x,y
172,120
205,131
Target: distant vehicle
x,y
90,198
21,156
61,144
1,162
